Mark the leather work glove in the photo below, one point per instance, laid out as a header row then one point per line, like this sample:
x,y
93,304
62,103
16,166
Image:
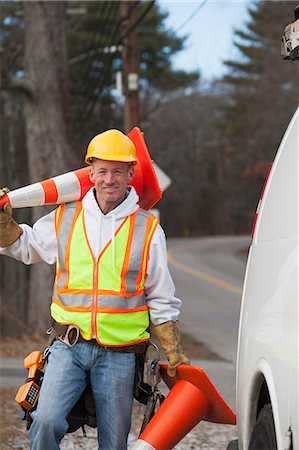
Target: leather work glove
x,y
168,334
9,229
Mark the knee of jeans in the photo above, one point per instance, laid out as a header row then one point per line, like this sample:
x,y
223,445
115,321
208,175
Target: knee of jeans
x,y
50,420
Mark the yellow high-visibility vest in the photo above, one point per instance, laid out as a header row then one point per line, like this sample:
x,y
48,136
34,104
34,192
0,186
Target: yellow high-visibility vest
x,y
103,301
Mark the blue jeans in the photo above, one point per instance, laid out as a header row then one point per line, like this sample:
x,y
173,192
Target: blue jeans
x,y
68,370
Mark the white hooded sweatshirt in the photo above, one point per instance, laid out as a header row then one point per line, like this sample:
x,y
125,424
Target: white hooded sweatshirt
x,y
38,243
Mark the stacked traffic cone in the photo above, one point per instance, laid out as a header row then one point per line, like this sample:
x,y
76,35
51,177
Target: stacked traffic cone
x,y
192,398
72,186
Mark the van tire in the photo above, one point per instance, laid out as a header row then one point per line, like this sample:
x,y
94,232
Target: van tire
x,y
233,445
263,436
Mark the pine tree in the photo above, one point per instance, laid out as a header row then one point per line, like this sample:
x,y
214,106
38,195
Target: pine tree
x,y
262,94
34,61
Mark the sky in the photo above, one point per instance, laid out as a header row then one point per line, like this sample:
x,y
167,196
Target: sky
x,y
210,26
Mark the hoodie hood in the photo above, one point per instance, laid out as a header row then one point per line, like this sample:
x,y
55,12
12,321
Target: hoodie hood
x,y
101,228
124,209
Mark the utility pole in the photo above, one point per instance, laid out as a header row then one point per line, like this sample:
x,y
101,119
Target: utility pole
x,y
130,66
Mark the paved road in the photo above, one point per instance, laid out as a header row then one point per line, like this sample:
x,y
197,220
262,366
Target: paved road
x,y
209,274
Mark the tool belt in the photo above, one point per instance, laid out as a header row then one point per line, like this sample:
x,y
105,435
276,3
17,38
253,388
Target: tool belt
x,y
70,335
147,377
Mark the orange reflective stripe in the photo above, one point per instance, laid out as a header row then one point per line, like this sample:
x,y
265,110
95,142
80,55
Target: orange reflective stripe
x,y
86,238
85,280
128,252
58,217
122,310
148,235
117,231
67,252
120,294
72,308
124,345
73,291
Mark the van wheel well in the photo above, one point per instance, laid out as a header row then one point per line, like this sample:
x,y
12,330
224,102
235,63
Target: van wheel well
x,y
263,399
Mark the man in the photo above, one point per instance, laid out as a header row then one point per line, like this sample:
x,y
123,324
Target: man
x,y
111,277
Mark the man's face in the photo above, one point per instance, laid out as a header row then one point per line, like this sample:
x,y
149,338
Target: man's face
x,y
111,179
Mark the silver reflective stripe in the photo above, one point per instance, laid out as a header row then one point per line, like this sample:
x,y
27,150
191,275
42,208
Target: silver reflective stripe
x,y
109,301
115,301
62,279
136,250
142,445
74,299
138,241
63,237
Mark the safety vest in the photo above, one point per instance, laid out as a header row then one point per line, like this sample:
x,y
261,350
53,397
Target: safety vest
x,y
104,300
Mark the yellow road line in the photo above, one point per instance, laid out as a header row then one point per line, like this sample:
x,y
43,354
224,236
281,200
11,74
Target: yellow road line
x,y
203,276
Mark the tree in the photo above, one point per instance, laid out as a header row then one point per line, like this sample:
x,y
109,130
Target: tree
x,y
181,135
59,121
261,95
94,39
46,104
95,56
45,93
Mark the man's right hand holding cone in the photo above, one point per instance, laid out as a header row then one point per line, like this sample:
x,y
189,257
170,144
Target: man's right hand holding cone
x,y
10,231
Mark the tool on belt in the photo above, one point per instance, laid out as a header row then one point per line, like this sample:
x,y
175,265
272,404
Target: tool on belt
x,y
68,334
150,379
147,377
28,394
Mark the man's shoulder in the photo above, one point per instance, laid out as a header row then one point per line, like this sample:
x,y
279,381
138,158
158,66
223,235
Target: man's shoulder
x,y
72,205
146,214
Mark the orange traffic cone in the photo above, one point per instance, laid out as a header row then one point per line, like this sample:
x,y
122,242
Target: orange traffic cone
x,y
192,398
73,185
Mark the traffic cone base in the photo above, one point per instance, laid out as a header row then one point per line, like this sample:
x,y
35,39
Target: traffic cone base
x,y
220,412
192,398
181,410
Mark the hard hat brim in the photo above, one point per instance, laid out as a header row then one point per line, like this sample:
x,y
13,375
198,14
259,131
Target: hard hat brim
x,y
127,159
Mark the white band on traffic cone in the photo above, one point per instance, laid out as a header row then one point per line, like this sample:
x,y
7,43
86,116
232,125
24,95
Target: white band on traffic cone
x,y
142,445
33,193
68,187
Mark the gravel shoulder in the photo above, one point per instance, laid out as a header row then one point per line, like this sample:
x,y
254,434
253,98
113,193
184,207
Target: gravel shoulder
x,y
13,433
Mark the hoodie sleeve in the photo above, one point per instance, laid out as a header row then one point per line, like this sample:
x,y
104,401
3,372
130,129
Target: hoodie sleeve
x,y
36,244
159,287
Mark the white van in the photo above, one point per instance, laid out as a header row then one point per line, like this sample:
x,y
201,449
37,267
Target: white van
x,y
267,360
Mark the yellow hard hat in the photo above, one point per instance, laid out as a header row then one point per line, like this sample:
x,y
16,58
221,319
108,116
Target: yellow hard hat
x,y
112,145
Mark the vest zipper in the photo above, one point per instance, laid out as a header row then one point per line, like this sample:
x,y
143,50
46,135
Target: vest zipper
x,y
95,300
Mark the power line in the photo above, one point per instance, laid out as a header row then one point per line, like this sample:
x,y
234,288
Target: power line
x,y
105,12
96,51
115,48
98,82
105,73
140,18
191,16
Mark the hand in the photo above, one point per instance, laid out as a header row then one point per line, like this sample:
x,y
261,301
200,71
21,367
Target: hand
x,y
3,191
176,359
6,212
10,231
168,334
